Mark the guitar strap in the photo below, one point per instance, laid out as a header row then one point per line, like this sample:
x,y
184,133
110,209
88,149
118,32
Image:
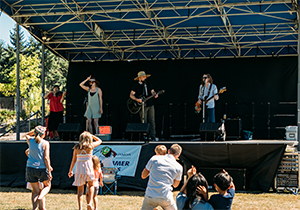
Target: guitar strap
x,y
205,97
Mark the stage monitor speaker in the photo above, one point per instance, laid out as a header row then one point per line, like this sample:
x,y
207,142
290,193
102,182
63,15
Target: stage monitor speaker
x,y
233,128
211,131
69,131
140,128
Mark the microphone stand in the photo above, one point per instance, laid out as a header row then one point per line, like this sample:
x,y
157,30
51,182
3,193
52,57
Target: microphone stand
x,y
143,112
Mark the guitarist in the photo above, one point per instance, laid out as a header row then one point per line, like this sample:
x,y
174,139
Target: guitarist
x,y
208,89
143,88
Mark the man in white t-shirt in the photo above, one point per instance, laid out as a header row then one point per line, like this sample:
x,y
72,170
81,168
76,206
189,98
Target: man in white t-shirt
x,y
163,171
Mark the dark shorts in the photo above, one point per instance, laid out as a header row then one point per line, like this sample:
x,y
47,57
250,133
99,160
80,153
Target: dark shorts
x,y
35,175
54,119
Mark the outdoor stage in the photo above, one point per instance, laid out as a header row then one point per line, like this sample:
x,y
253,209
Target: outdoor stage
x,y
255,160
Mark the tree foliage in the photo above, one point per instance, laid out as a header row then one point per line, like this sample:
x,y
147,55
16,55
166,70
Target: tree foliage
x,y
30,70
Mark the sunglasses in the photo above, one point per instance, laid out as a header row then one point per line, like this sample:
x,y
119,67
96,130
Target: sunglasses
x,y
205,77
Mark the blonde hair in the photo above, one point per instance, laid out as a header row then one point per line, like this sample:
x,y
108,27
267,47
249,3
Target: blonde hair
x,y
85,141
96,162
160,150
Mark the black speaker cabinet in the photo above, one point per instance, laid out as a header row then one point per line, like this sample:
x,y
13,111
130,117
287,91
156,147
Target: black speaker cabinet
x,y
69,131
139,128
233,128
210,131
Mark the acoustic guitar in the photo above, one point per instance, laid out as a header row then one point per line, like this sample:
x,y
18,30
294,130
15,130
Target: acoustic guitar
x,y
199,107
134,107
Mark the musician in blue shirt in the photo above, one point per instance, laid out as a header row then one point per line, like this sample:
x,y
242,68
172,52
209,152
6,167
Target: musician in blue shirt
x,y
141,89
208,90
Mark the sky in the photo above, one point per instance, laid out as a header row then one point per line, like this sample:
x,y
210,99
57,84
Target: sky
x,y
6,25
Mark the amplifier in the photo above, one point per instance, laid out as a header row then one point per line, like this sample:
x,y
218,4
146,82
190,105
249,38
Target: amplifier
x,y
233,128
69,131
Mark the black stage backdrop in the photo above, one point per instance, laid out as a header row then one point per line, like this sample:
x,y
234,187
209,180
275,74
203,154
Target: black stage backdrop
x,y
260,159
257,92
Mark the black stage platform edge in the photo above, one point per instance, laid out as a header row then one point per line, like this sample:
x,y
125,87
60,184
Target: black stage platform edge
x,y
260,158
187,141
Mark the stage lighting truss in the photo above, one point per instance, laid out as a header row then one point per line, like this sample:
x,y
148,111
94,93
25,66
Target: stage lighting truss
x,y
145,30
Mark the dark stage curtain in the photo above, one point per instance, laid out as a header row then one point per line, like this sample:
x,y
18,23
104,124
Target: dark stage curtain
x,y
255,86
260,161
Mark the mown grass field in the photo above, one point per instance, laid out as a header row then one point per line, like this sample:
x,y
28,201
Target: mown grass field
x,y
19,199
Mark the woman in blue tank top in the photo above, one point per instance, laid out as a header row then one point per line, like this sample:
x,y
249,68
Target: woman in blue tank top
x,y
38,168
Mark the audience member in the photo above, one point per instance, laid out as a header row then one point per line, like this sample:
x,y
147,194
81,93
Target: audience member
x,y
223,183
164,172
190,196
38,167
98,175
160,150
109,155
82,156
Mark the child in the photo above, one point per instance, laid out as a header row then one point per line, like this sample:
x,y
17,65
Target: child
x,y
109,155
160,150
98,174
223,183
42,203
82,156
194,192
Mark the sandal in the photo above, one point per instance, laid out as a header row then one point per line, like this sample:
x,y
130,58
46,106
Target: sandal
x,y
90,207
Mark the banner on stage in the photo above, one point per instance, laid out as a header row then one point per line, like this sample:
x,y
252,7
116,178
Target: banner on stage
x,y
126,159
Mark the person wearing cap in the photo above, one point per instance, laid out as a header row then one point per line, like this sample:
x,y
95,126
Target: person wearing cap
x,y
94,107
206,90
56,99
38,167
109,155
143,88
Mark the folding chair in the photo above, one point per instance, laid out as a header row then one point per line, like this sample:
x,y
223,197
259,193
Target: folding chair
x,y
109,181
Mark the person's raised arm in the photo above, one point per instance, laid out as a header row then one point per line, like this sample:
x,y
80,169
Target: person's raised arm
x,y
97,141
62,97
190,173
83,82
47,94
114,153
29,135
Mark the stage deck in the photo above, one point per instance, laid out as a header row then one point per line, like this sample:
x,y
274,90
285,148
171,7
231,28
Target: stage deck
x,y
258,159
171,141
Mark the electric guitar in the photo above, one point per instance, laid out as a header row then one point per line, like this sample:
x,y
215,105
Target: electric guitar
x,y
199,107
134,107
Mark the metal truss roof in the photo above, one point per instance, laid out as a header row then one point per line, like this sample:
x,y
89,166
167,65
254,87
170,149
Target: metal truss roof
x,y
159,29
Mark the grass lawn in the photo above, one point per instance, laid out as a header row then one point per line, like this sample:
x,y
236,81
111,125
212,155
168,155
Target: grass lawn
x,y
19,199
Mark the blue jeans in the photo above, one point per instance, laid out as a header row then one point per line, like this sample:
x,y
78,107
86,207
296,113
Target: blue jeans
x,y
210,115
150,118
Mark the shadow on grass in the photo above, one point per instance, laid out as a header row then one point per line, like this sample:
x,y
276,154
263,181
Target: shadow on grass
x,y
71,190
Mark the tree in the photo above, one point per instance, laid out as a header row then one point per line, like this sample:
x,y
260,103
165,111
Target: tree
x,y
30,82
13,39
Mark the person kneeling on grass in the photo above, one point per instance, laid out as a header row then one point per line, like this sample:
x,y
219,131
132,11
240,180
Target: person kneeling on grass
x,y
194,193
